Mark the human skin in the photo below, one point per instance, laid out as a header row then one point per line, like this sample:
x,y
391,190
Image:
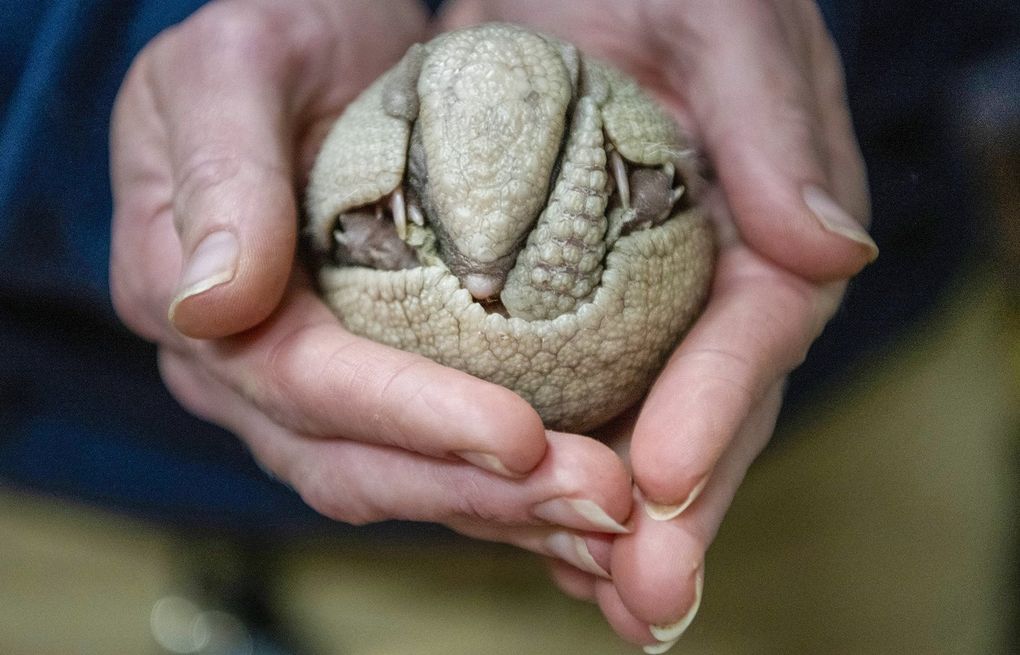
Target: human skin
x,y
760,88
213,133
215,128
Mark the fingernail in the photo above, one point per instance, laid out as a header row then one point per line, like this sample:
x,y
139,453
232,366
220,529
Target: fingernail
x,y
213,262
656,649
661,512
671,632
835,219
486,461
579,513
571,549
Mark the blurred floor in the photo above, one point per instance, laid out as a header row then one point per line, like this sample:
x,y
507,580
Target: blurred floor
x,y
885,523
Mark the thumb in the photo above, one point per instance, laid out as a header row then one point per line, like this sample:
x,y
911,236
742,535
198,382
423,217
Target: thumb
x,y
769,134
229,147
236,218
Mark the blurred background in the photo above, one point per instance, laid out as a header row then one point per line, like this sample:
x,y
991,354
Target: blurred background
x,y
883,519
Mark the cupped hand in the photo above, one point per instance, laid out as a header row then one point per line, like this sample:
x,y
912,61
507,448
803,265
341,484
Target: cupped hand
x,y
759,88
213,131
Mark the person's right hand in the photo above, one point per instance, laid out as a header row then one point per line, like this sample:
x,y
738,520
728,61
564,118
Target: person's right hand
x,y
214,128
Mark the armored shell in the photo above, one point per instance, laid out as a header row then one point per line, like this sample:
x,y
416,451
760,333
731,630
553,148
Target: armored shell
x,y
506,206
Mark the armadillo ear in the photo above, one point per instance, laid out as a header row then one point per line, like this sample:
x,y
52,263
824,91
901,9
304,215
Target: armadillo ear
x,y
593,81
638,127
636,124
400,93
572,61
361,160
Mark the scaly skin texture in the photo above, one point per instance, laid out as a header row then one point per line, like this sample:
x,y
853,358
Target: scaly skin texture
x,y
491,98
541,181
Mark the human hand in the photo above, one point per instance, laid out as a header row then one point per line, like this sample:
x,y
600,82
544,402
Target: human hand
x,y
215,127
759,87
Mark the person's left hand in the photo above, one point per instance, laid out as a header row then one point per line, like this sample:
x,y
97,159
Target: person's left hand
x,y
759,87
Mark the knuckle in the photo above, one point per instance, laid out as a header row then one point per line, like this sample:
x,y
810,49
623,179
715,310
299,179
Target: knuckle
x,y
335,496
280,363
215,175
304,372
794,321
210,166
731,374
310,361
468,499
284,373
403,382
795,111
475,508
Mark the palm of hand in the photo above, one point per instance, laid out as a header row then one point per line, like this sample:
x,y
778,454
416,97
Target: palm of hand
x,y
714,406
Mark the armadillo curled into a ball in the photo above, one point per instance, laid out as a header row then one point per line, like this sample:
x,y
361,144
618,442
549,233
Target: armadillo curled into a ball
x,y
504,205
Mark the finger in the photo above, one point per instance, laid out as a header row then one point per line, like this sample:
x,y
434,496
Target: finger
x,y
658,570
145,261
307,373
228,136
756,113
387,483
848,181
586,554
203,132
757,327
580,484
619,617
572,581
